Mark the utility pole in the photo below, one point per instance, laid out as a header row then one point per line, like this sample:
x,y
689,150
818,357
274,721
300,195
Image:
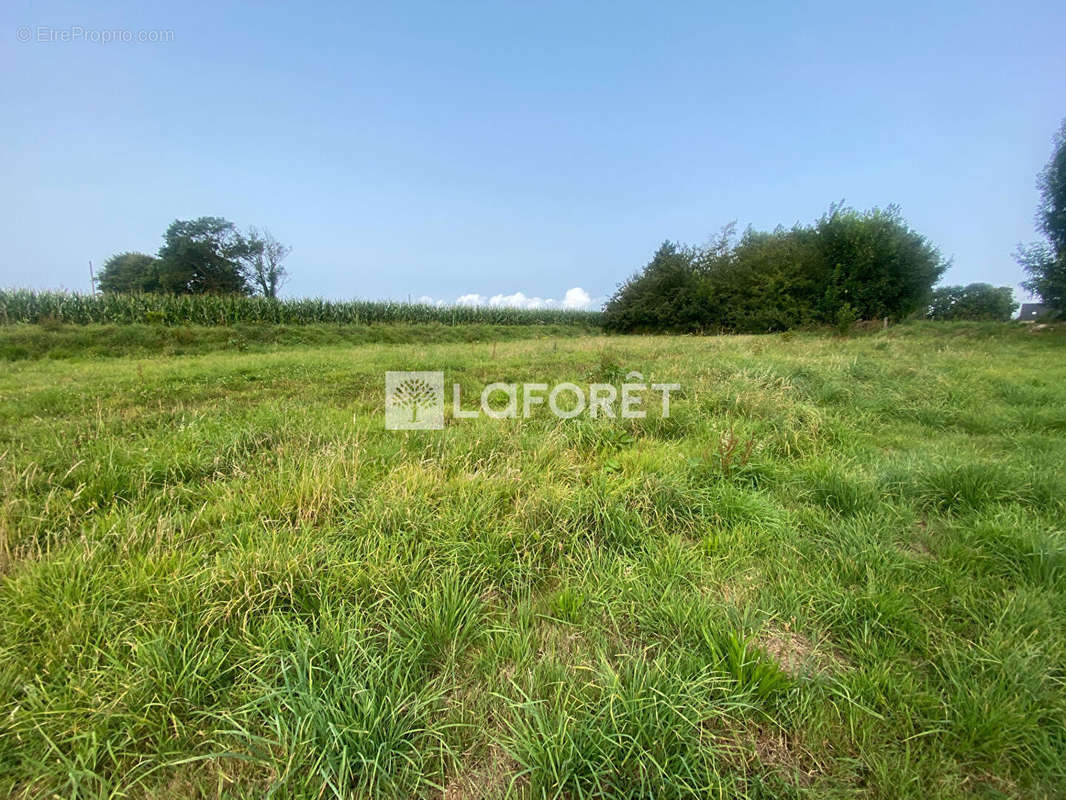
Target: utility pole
x,y
92,279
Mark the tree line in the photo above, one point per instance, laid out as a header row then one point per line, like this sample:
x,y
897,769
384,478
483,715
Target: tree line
x,y
207,255
848,265
977,301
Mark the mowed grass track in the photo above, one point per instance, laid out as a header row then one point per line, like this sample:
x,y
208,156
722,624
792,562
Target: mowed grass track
x,y
222,577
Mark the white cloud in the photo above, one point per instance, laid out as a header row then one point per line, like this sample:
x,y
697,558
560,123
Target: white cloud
x,y
519,300
576,299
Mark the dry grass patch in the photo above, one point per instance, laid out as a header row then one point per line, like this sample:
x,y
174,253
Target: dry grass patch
x,y
487,778
796,654
768,747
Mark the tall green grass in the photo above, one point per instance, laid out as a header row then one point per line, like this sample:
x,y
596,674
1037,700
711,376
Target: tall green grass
x,y
220,576
26,341
20,305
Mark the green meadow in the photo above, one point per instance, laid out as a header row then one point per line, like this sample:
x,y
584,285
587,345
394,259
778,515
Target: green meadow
x,y
836,570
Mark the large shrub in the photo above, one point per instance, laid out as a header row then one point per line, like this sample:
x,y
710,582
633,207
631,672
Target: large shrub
x,y
875,263
766,282
862,264
661,297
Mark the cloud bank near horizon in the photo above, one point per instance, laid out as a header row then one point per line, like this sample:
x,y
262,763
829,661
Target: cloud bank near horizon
x,y
575,299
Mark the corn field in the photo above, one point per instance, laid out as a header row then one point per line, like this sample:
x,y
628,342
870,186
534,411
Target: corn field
x,y
23,306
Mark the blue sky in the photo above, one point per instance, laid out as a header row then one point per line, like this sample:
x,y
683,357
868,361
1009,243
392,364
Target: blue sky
x,y
449,149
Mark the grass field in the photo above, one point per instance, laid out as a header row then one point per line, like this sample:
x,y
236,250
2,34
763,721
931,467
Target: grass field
x,y
33,341
838,569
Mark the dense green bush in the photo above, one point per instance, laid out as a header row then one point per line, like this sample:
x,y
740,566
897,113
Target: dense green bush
x,y
665,296
864,265
980,301
168,309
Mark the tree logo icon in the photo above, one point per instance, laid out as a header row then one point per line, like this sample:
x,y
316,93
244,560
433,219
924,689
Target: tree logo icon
x,y
414,401
415,395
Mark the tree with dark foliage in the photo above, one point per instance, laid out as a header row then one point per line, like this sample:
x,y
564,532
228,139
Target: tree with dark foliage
x,y
126,273
207,255
1045,262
